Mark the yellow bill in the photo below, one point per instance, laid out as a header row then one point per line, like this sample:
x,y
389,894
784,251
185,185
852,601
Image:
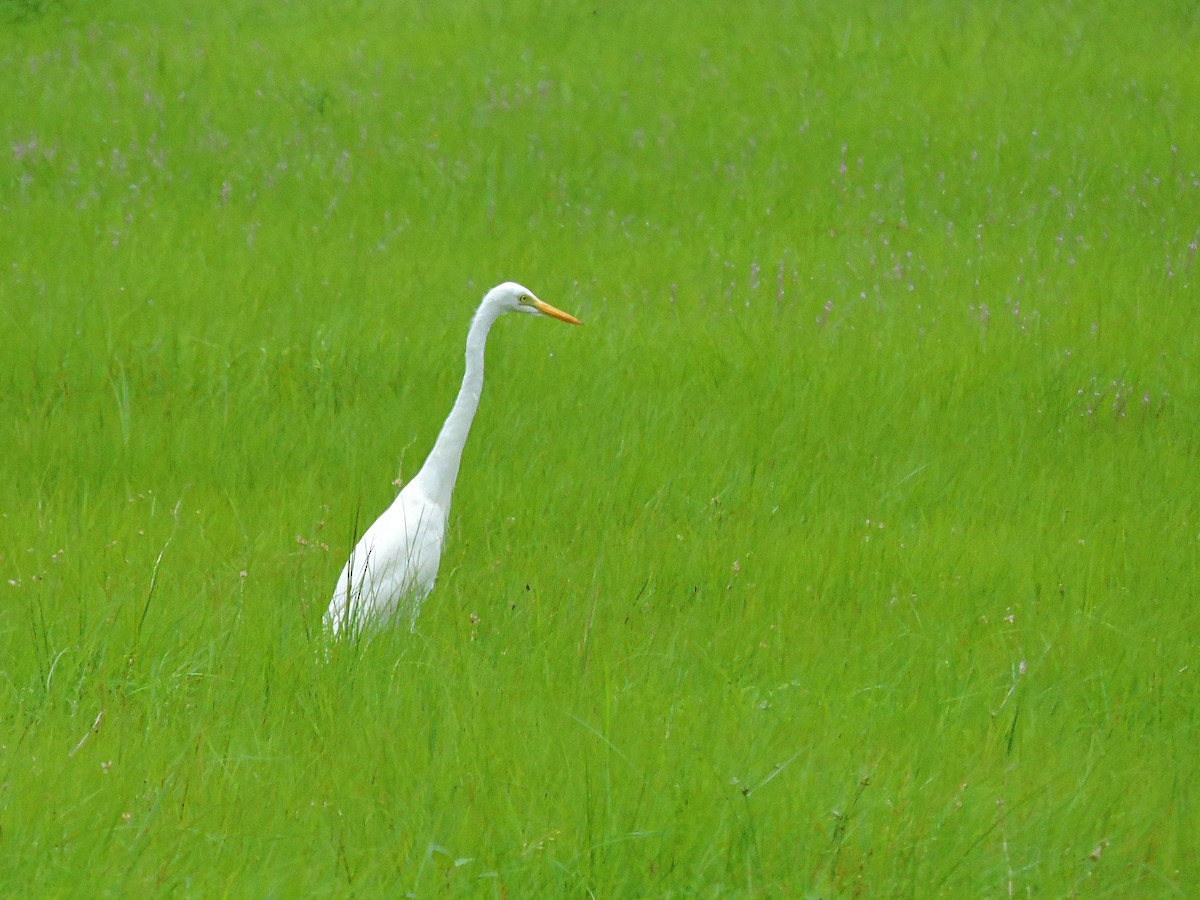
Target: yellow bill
x,y
547,310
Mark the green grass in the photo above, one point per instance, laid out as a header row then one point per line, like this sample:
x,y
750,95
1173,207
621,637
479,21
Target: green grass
x,y
850,549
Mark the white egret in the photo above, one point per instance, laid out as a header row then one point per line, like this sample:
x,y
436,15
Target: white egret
x,y
394,565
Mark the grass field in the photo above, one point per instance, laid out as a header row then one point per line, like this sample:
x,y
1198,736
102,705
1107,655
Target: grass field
x,y
851,548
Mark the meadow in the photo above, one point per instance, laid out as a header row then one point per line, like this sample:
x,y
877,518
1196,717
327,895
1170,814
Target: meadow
x,y
849,548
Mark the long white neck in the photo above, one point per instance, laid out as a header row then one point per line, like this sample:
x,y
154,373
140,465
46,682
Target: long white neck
x,y
436,478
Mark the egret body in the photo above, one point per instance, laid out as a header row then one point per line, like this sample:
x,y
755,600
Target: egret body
x,y
393,567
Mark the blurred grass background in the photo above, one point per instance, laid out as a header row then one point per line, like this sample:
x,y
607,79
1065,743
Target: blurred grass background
x,y
849,549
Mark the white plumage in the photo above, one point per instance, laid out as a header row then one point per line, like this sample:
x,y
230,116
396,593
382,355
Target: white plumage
x,y
394,566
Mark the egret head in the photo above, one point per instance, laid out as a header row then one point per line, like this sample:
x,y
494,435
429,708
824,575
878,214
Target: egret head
x,y
512,297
